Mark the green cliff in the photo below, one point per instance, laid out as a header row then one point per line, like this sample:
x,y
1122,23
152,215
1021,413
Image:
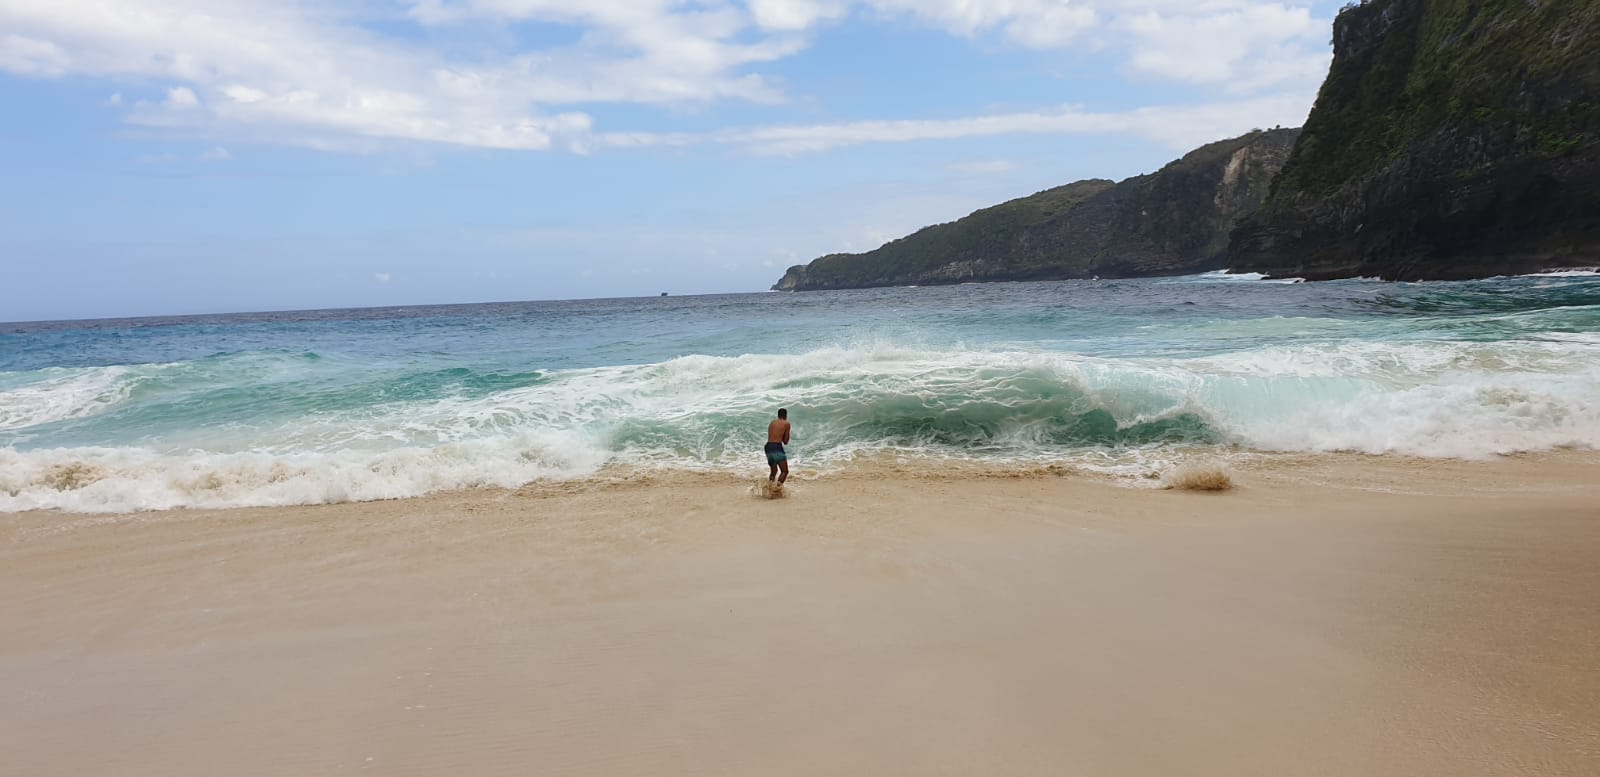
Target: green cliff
x,y
1171,222
1452,139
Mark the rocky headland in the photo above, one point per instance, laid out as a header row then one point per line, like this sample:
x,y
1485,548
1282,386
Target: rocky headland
x,y
1171,222
1452,139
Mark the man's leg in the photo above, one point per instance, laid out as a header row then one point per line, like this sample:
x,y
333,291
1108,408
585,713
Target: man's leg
x,y
773,475
783,465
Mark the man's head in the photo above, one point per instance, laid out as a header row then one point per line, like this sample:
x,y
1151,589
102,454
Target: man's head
x,y
783,413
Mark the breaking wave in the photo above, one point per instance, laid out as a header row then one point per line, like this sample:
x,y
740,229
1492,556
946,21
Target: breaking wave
x,y
293,428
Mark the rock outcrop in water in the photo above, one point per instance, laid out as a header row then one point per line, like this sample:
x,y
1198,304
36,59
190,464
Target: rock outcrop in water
x,y
1172,222
1452,139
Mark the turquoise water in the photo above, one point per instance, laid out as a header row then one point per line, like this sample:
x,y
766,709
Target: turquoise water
x,y
1118,376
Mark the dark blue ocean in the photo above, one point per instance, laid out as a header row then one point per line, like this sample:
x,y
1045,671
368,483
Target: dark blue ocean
x,y
1119,377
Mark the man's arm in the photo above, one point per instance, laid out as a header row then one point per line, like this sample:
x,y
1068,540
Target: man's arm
x,y
786,428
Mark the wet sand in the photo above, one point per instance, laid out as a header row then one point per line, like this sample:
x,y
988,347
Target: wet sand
x,y
1330,616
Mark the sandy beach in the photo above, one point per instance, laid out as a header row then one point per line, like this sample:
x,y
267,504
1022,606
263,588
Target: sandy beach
x,y
1329,616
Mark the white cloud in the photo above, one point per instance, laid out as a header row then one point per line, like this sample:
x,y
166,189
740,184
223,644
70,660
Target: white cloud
x,y
277,71
320,74
1046,24
795,14
641,51
181,97
381,277
1247,44
1179,127
216,154
1035,23
32,57
1246,48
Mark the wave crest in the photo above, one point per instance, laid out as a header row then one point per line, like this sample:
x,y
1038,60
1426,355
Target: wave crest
x,y
297,439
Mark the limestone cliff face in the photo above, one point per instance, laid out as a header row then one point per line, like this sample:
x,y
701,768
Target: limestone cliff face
x,y
1171,222
1452,139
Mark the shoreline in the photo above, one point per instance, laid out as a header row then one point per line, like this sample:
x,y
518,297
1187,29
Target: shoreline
x,y
1241,464
1344,615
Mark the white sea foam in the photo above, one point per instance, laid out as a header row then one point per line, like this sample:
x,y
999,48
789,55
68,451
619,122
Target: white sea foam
x,y
1225,276
130,479
1576,272
59,394
1128,416
1445,399
1458,418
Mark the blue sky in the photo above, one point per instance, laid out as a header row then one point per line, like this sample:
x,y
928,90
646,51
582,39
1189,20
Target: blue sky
x,y
183,156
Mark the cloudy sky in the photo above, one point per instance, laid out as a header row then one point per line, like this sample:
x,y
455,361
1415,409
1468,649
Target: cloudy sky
x,y
175,156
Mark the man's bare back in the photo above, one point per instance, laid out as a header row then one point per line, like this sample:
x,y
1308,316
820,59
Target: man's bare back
x,y
777,457
778,431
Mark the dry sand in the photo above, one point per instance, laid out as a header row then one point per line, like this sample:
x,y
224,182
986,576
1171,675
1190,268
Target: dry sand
x,y
1329,616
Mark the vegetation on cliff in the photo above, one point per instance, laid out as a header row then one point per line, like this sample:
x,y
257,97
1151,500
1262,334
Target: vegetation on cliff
x,y
1171,222
1451,139
921,255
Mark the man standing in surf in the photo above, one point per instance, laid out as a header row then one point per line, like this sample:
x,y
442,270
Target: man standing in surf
x,y
777,437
